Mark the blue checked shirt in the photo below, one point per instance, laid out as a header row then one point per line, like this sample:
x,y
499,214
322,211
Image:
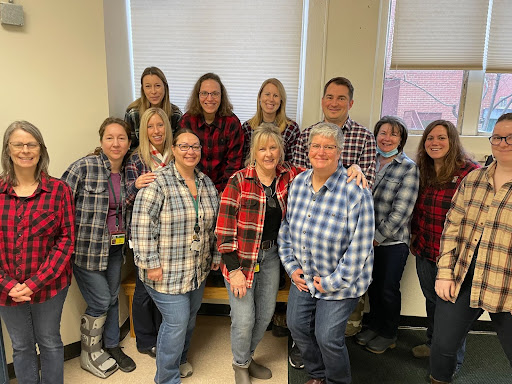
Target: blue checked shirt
x,y
394,195
329,234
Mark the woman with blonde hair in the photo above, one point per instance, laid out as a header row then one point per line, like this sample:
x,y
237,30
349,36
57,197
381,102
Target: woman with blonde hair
x,y
153,153
154,93
271,108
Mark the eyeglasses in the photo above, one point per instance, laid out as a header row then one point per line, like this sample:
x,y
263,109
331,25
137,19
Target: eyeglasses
x,y
327,148
186,147
270,197
496,140
32,146
204,94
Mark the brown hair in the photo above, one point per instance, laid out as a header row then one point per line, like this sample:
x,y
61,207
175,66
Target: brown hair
x,y
454,159
397,125
341,81
281,119
108,121
193,104
8,174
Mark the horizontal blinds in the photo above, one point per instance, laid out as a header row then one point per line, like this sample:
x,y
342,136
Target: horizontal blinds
x,y
439,34
244,42
499,54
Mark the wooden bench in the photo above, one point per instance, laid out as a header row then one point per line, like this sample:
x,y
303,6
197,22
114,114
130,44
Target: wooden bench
x,y
210,293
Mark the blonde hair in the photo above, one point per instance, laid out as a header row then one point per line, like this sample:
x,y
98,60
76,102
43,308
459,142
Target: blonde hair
x,y
281,119
144,148
262,134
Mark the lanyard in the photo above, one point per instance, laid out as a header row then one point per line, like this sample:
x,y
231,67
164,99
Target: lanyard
x,y
115,201
196,207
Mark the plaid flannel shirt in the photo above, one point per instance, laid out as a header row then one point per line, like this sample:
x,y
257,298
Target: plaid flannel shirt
x,y
394,196
242,216
359,148
37,237
480,214
430,213
329,234
290,137
88,179
162,230
222,141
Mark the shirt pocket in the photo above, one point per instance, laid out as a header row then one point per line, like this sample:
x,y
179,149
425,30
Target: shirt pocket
x,y
44,223
249,209
332,226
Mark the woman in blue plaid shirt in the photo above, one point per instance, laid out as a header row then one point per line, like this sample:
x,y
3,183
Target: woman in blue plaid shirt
x,y
394,194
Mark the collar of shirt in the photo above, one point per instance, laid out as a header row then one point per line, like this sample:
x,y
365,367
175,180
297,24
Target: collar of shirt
x,y
174,170
43,185
201,121
250,171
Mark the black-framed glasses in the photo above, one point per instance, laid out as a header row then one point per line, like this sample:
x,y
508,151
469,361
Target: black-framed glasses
x,y
186,147
496,139
270,197
214,94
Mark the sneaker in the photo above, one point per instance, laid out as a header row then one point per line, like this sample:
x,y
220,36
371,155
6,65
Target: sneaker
x,y
421,351
295,358
380,344
186,370
126,364
362,338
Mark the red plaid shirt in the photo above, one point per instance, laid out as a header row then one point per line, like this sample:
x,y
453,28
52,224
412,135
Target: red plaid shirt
x,y
242,215
37,235
222,141
430,212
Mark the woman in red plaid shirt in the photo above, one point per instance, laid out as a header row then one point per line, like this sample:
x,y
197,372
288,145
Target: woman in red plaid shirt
x,y
37,235
251,209
443,164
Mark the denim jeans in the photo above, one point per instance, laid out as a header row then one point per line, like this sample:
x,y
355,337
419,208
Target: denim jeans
x,y
453,322
179,314
28,324
384,291
427,272
318,328
100,290
146,316
251,314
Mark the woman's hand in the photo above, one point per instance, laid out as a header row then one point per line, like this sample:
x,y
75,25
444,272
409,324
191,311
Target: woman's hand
x,y
144,180
20,293
238,283
155,274
445,289
215,266
355,172
375,243
298,279
317,282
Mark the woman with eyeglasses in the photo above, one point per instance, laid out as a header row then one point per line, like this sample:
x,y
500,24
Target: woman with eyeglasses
x,y
37,235
271,108
153,153
154,93
475,262
172,229
250,214
98,185
443,164
210,116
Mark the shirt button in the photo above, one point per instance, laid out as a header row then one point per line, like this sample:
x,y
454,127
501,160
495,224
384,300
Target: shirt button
x,y
19,234
309,215
304,232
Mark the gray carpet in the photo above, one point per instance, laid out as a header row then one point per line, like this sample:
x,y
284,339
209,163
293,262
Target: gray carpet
x,y
485,363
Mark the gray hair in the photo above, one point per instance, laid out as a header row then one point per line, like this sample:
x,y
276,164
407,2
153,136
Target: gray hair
x,y
8,175
262,134
328,130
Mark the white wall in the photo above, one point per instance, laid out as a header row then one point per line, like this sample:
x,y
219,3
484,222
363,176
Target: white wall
x,y
53,74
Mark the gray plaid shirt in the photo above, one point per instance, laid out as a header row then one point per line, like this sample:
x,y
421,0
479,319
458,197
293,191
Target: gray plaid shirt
x,y
88,179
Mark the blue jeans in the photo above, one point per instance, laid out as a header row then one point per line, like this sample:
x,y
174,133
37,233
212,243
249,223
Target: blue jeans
x,y
251,314
452,324
318,328
384,291
427,272
28,324
179,314
146,316
100,290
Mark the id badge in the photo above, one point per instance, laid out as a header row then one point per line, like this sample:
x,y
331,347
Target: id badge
x,y
196,246
257,267
117,238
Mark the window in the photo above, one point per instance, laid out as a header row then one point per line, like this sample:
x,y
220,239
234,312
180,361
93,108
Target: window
x,y
244,42
436,67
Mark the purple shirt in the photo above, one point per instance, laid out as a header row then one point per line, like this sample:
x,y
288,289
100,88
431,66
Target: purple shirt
x,y
114,202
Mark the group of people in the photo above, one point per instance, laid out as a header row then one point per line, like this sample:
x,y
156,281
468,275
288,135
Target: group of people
x,y
337,205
